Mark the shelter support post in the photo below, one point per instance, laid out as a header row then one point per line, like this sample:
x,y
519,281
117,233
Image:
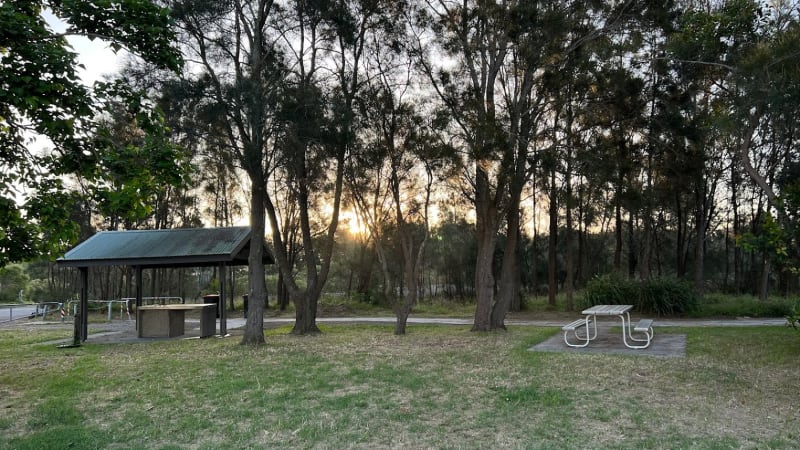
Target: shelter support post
x,y
84,310
223,316
139,283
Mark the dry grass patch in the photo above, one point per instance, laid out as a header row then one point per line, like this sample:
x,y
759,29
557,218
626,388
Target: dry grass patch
x,y
359,386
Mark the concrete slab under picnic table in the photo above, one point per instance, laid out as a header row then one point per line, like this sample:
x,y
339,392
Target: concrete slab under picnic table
x,y
609,341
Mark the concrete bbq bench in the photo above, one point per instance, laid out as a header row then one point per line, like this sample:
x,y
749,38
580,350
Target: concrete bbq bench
x,y
169,320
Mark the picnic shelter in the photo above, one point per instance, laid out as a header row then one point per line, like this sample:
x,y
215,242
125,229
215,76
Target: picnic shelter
x,y
153,249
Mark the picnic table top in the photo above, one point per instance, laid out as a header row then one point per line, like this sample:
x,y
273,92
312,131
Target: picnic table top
x,y
607,310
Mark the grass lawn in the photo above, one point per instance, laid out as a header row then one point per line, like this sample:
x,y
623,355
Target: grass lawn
x,y
362,387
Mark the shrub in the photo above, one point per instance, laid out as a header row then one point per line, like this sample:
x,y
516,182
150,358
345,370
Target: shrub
x,y
794,316
716,305
667,296
611,289
659,296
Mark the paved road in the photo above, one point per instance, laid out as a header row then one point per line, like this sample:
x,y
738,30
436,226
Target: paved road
x,y
10,313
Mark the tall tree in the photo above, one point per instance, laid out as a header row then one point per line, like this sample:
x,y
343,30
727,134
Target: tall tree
x,y
42,100
240,70
409,153
748,51
501,49
486,39
320,130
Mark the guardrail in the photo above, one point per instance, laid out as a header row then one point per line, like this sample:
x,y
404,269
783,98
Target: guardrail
x,y
108,305
70,308
124,305
31,310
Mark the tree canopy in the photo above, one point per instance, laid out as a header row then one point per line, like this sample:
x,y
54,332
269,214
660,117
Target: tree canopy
x,y
485,149
48,116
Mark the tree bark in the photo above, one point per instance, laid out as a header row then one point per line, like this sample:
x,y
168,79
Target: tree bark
x,y
257,288
508,287
486,235
552,260
700,236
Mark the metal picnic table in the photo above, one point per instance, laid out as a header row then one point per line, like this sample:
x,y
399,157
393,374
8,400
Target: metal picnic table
x,y
644,326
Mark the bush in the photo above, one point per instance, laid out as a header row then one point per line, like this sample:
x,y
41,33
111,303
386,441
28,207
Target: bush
x,y
716,305
659,296
611,289
667,296
13,282
794,316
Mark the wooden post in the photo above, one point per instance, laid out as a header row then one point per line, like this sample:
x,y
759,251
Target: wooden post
x,y
223,316
138,288
84,312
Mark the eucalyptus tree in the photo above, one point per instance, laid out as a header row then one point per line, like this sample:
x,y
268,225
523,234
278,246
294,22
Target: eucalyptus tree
x,y
139,174
319,129
195,126
232,56
392,179
487,40
47,115
749,50
497,54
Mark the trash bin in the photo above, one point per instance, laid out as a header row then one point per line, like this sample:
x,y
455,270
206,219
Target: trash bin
x,y
212,298
244,299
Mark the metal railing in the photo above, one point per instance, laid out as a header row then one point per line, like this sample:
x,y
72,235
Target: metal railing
x,y
70,307
31,310
100,305
125,305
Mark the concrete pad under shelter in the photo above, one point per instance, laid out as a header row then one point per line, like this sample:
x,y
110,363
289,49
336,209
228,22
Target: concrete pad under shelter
x,y
609,341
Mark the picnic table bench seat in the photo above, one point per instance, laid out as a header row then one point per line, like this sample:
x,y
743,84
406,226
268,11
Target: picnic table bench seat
x,y
644,325
576,325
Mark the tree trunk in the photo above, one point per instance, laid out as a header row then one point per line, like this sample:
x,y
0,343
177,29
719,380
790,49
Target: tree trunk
x,y
632,255
644,253
763,285
618,236
486,234
283,293
569,261
305,314
699,251
552,260
580,272
257,288
508,288
737,251
401,321
680,259
569,280
410,274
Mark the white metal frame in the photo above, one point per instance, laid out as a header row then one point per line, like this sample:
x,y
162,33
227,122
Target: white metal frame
x,y
574,328
623,312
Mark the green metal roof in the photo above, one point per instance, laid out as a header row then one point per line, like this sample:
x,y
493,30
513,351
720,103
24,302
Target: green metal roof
x,y
183,247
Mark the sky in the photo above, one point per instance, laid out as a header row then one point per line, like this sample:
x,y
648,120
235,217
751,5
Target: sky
x,y
95,56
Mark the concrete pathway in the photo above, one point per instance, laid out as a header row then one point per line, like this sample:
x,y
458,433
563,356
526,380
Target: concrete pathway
x,y
124,331
738,322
